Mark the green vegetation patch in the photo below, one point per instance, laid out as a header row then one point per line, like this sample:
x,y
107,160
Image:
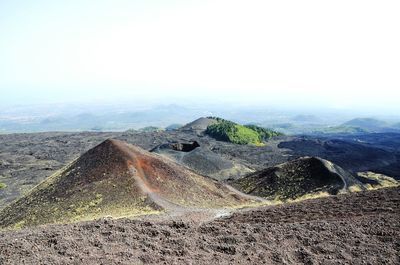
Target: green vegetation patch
x,y
173,127
231,132
264,133
151,129
235,133
2,185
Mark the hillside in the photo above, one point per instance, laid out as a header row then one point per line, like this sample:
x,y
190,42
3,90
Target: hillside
x,y
198,125
232,132
306,176
264,133
368,124
202,160
339,130
116,179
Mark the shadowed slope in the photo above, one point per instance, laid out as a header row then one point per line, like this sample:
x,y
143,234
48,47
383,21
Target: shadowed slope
x,y
116,179
301,177
203,161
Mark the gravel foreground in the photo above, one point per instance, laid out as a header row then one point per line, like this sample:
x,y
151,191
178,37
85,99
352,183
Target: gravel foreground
x,y
360,228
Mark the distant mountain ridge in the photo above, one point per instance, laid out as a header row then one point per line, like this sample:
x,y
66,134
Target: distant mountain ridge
x,y
370,124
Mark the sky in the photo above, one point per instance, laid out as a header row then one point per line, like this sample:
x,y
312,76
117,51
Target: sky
x,y
339,54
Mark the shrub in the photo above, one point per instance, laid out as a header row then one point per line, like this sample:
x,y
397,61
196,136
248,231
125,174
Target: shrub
x,y
2,185
229,131
151,129
264,133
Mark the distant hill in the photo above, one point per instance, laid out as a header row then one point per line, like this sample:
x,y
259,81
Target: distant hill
x,y
396,125
306,118
71,117
339,130
199,125
151,129
368,124
229,131
173,127
305,176
116,179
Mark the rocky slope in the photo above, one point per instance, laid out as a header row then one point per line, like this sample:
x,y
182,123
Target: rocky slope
x,y
305,176
202,160
27,159
117,179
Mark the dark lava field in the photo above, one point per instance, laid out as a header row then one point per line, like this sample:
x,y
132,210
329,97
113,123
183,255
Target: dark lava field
x,y
27,159
352,228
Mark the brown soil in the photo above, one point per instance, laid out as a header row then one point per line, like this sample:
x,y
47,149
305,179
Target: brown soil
x,y
358,228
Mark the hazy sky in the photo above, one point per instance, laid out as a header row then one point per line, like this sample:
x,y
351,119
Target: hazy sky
x,y
324,53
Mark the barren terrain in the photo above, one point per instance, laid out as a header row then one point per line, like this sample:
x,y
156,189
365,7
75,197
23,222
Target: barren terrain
x,y
27,159
358,228
116,179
